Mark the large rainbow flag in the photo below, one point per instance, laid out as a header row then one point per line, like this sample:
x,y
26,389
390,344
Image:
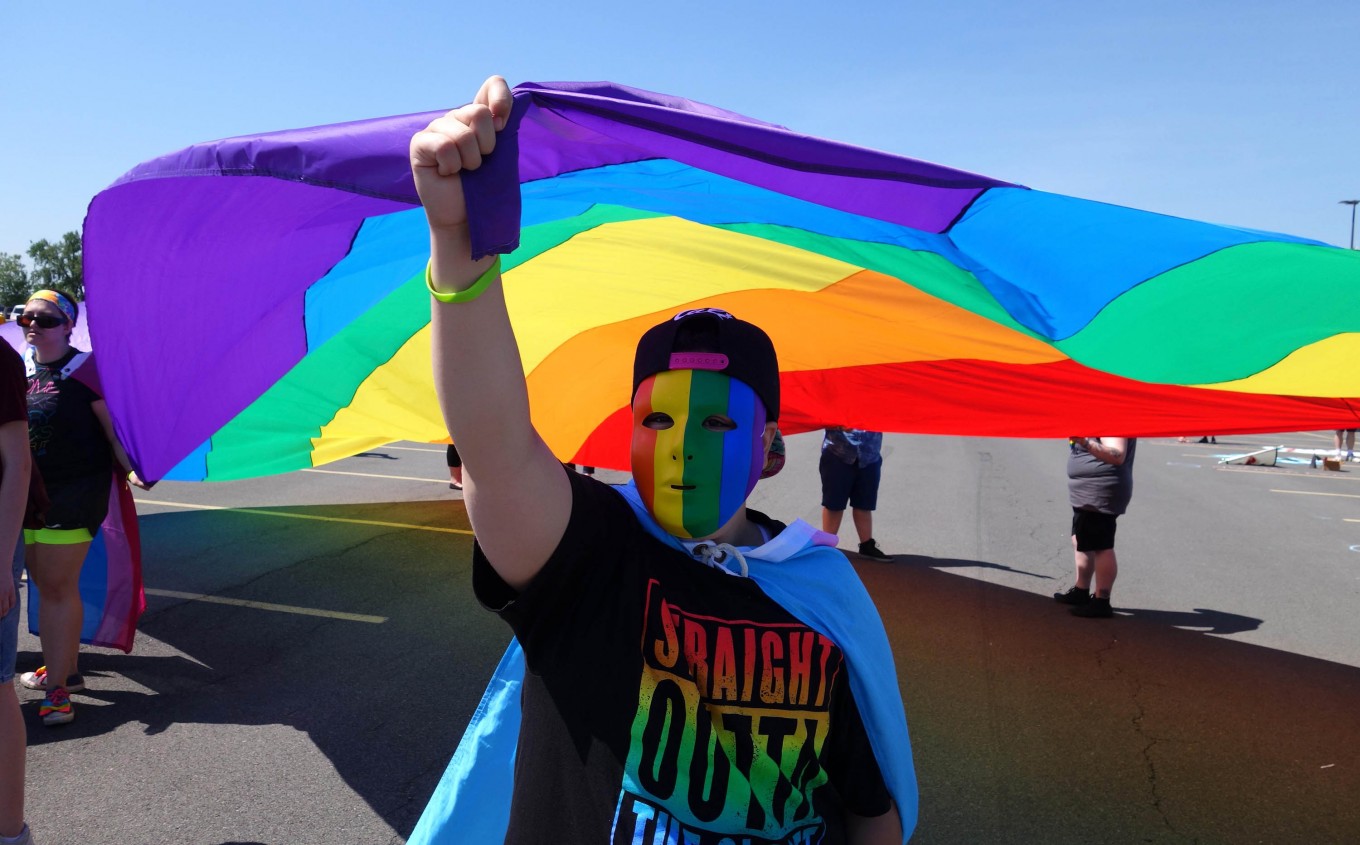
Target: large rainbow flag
x,y
902,296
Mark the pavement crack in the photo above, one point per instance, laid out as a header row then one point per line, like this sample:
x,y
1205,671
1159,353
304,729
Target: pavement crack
x,y
1111,669
1149,763
984,474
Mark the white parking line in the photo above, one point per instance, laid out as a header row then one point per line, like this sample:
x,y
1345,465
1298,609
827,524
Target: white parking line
x,y
375,475
264,605
441,450
1316,493
259,512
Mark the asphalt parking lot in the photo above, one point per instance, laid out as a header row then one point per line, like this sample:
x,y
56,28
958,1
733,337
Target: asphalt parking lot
x,y
311,653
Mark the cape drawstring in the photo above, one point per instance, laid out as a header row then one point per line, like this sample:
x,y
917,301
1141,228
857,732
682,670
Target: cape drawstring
x,y
716,555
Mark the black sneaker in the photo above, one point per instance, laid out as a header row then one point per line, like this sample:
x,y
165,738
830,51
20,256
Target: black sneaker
x,y
869,548
1074,595
1096,608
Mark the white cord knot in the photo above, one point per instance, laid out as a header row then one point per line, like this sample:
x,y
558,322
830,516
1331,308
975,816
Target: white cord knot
x,y
717,556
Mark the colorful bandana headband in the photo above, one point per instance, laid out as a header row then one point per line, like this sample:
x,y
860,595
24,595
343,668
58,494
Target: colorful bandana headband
x,y
67,306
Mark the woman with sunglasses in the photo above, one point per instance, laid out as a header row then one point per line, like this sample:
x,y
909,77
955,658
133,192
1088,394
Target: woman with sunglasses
x,y
76,449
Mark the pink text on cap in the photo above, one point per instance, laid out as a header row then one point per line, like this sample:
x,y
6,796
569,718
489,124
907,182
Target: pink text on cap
x,y
698,361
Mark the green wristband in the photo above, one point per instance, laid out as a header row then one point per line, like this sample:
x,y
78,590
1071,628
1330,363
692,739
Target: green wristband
x,y
467,295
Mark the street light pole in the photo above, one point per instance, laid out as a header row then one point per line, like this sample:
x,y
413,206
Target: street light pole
x,y
1352,204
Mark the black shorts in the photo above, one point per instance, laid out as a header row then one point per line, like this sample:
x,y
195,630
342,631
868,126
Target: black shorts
x,y
78,502
842,483
1094,531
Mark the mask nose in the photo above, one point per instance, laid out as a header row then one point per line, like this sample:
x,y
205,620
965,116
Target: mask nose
x,y
676,448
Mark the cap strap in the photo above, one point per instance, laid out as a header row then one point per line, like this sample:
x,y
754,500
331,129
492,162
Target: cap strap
x,y
698,361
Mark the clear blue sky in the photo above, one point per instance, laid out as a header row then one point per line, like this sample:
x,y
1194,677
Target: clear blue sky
x,y
1245,113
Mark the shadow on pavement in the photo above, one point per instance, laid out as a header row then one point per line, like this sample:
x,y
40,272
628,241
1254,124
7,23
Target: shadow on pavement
x,y
1028,725
1031,725
1213,621
385,702
953,563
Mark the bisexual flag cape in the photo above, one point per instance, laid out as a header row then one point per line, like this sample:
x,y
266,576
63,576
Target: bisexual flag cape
x,y
111,576
801,570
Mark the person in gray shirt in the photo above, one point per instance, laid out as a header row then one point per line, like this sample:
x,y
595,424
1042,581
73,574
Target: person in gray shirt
x,y
1099,486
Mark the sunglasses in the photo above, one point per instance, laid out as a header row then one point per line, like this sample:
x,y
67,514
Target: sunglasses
x,y
43,321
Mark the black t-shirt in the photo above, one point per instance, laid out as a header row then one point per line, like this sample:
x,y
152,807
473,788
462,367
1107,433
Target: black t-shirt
x,y
664,698
13,406
66,437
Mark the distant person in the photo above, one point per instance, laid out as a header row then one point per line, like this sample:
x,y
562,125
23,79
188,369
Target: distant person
x,y
74,444
455,467
1348,434
1099,486
851,465
16,463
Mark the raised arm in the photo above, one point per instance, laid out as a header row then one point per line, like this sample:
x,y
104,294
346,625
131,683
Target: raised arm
x,y
517,495
1110,450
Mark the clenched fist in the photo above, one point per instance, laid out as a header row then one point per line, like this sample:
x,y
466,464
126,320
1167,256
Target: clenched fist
x,y
453,143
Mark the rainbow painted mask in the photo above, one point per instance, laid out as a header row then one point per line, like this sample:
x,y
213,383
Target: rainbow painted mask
x,y
692,471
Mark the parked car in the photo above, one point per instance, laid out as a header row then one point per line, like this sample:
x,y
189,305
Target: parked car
x,y
15,312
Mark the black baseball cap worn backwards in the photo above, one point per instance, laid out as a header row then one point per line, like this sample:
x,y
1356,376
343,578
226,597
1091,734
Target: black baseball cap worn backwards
x,y
711,339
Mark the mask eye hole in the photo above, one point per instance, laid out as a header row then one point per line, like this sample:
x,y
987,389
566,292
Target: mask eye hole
x,y
658,421
717,422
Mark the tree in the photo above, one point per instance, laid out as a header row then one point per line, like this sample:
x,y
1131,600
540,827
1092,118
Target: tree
x,y
58,265
14,286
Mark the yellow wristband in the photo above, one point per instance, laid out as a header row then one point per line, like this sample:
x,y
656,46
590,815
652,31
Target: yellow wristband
x,y
483,282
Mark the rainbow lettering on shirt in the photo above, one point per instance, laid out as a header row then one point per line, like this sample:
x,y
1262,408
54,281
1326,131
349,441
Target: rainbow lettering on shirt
x,y
727,739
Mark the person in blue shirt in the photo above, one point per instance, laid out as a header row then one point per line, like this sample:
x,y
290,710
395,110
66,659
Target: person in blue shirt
x,y
851,465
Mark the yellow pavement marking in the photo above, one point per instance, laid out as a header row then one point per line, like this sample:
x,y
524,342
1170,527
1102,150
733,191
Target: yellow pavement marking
x,y
264,605
375,475
259,512
1349,495
441,449
1277,470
